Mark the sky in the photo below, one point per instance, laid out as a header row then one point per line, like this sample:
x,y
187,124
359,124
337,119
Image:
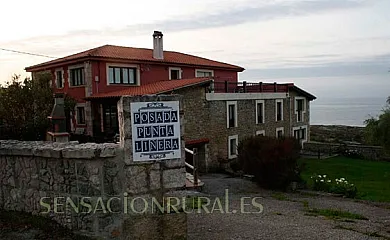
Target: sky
x,y
327,47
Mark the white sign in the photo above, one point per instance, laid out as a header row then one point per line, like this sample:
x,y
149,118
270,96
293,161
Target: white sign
x,y
155,130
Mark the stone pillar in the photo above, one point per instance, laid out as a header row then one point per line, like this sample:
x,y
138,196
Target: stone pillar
x,y
151,179
88,92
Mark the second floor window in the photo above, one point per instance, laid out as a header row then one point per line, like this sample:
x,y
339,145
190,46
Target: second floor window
x,y
122,75
300,109
77,77
279,110
259,111
59,79
174,73
204,73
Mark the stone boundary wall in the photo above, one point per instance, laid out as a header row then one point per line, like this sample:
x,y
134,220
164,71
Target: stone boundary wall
x,y
33,170
96,173
367,152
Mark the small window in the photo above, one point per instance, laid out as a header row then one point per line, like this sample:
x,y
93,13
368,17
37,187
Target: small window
x,y
59,79
122,75
260,133
232,146
80,115
280,132
77,77
279,110
204,73
260,112
174,73
231,114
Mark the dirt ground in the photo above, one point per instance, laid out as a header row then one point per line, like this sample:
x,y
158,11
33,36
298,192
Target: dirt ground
x,y
284,216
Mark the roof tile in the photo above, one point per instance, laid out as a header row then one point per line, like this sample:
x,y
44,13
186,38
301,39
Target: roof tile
x,y
137,54
152,88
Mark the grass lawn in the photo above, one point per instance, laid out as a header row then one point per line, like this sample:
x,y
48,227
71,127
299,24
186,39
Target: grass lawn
x,y
372,179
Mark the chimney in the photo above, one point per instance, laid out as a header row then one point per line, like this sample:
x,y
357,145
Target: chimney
x,y
57,131
158,50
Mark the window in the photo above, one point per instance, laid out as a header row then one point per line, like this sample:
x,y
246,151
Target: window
x,y
122,75
260,111
279,132
59,79
300,133
76,76
204,73
231,114
174,73
260,133
110,120
232,146
300,108
279,110
80,115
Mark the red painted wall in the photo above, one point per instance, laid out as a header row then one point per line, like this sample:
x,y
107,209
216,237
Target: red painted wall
x,y
148,74
77,93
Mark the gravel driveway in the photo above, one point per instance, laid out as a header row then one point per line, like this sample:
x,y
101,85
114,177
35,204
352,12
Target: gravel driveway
x,y
284,216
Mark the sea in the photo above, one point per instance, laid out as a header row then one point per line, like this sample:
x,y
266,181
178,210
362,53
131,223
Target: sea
x,y
344,110
345,100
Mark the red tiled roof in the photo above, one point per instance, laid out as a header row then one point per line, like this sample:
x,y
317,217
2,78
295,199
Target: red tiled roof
x,y
136,54
152,88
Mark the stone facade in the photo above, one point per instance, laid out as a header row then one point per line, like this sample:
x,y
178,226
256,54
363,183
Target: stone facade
x,y
208,119
58,174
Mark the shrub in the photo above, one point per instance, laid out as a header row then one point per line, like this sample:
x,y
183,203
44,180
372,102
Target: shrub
x,y
321,183
272,161
338,186
342,186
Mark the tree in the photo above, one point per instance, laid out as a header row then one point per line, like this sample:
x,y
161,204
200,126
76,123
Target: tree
x,y
377,130
25,106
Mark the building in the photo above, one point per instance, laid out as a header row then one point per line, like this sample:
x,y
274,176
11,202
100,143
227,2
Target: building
x,y
219,110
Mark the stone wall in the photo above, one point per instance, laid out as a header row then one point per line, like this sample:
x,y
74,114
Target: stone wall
x,y
367,152
98,174
207,119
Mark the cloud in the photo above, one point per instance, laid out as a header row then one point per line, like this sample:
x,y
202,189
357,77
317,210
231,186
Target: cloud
x,y
252,12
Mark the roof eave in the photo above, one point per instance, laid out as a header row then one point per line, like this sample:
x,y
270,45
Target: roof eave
x,y
310,96
43,66
161,92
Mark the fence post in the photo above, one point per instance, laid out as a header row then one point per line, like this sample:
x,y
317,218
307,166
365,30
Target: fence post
x,y
244,85
195,164
275,87
261,86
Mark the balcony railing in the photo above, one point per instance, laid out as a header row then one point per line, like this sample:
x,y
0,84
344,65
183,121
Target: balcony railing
x,y
248,87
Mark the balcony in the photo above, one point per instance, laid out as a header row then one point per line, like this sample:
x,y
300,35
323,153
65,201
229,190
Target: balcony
x,y
250,87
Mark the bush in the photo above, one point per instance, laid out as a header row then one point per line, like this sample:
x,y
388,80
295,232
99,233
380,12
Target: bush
x,y
272,161
338,186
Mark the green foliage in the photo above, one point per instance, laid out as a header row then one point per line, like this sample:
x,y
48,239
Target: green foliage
x,y
336,214
25,106
377,130
370,178
338,186
280,197
272,161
